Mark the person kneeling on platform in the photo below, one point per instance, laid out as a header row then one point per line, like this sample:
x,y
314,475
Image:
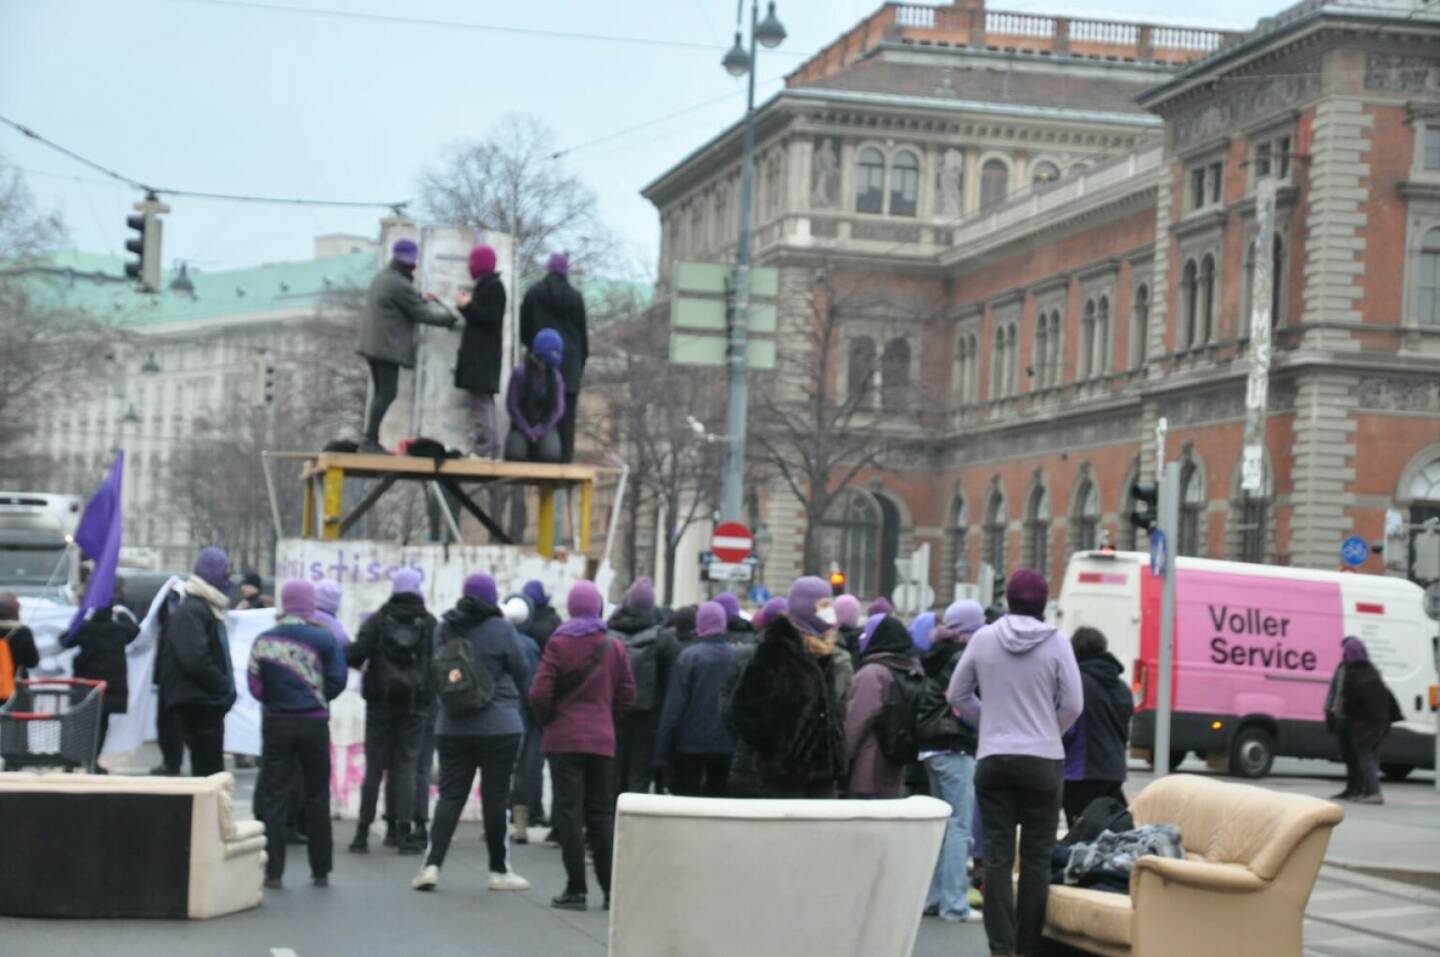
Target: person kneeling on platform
x,y
536,401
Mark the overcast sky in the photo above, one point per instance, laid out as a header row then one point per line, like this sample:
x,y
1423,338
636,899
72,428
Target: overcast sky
x,y
225,96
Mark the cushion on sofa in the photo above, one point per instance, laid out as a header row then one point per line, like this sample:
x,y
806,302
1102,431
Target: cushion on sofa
x,y
1098,915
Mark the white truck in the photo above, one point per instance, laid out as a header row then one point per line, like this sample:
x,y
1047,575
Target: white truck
x,y
38,557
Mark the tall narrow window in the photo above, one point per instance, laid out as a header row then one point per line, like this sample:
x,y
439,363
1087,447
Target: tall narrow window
x,y
1087,339
994,184
904,183
1042,351
1101,361
1252,529
962,371
1277,282
895,375
1190,290
861,372
1207,298
1056,347
973,379
995,534
1428,291
998,365
1192,510
1197,187
1432,147
870,182
959,541
1085,521
1037,532
1012,352
1140,318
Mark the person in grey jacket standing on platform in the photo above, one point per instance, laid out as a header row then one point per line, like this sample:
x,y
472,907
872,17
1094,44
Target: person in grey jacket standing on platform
x,y
486,740
393,309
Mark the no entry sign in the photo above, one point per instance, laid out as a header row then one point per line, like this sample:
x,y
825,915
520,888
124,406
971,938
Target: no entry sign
x,y
731,542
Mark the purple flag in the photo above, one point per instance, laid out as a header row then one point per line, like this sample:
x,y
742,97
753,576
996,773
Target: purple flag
x,y
99,537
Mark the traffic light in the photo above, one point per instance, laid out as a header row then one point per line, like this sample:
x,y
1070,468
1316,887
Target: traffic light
x,y
146,244
837,582
1147,505
267,385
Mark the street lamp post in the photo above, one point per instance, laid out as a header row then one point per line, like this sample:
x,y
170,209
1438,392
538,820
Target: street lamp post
x,y
738,62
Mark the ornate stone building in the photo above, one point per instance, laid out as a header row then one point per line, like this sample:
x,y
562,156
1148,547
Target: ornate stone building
x,y
1058,218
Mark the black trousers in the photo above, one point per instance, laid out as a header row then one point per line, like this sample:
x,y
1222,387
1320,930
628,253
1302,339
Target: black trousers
x,y
1079,794
292,746
567,427
520,449
1024,792
170,737
202,729
392,740
635,750
384,386
528,788
699,775
584,812
460,757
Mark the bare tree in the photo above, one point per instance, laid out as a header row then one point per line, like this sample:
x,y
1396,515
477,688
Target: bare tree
x,y
510,182
816,435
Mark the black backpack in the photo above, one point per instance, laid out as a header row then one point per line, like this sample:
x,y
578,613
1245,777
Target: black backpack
x,y
1100,815
464,685
403,643
937,728
897,729
643,649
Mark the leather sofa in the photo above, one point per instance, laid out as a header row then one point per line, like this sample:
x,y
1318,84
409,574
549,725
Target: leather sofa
x,y
82,845
1251,859
707,877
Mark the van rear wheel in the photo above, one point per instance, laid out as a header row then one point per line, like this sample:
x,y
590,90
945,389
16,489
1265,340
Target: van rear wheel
x,y
1397,772
1252,752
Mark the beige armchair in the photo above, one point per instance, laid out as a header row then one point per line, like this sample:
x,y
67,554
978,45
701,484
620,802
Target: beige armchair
x,y
119,846
1251,859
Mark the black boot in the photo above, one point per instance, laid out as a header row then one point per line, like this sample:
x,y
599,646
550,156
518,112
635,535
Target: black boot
x,y
392,833
409,842
361,844
422,831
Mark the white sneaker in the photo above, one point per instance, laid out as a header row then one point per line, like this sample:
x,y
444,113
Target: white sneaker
x,y
509,881
426,880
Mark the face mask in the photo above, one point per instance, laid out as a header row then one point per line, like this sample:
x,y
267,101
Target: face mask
x,y
826,614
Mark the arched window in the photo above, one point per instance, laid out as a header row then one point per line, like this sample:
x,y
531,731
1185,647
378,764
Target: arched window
x,y
1252,515
962,370
1057,355
1042,351
895,375
1036,551
1278,282
998,365
861,370
995,534
1140,320
994,184
1207,298
1012,353
959,542
852,540
1190,290
1101,360
1423,493
904,183
870,182
1085,517
1044,172
973,378
1087,339
1192,509
1427,300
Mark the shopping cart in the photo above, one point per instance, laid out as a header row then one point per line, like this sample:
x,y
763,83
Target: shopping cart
x,y
52,723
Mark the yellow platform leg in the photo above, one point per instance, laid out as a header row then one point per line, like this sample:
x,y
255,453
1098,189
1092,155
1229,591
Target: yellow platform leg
x,y
334,499
545,527
307,515
586,489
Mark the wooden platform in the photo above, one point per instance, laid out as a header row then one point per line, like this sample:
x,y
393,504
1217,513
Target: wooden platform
x,y
325,474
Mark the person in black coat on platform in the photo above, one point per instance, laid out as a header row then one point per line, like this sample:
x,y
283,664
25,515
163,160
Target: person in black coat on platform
x,y
552,303
477,367
1096,746
102,639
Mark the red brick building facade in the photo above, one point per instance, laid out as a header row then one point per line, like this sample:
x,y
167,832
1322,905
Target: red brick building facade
x,y
1061,217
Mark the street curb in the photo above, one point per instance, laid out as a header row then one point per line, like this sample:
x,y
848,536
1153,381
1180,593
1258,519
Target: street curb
x,y
1419,877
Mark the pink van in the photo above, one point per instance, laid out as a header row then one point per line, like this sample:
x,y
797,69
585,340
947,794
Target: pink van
x,y
1255,649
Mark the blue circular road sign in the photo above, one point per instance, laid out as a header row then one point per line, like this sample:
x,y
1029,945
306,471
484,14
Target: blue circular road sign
x,y
1355,551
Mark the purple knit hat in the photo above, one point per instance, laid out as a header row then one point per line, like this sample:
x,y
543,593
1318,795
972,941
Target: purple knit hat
x,y
1027,593
558,263
710,620
406,252
730,603
406,581
535,591
297,597
481,587
807,595
213,568
640,596
880,606
327,597
772,609
1352,649
585,600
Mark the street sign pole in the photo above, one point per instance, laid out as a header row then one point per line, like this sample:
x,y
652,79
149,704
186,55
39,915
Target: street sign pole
x,y
1170,525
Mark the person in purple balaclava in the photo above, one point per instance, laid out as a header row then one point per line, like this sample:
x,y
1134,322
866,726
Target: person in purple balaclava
x,y
785,714
640,627
1357,711
477,366
192,667
393,311
393,651
552,303
1033,694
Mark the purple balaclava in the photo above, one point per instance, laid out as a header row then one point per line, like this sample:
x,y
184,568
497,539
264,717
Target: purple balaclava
x,y
481,587
585,600
535,591
213,568
406,581
710,620
920,630
641,595
771,610
559,264
297,598
1353,650
730,603
405,252
880,606
808,595
1027,593
327,597
847,610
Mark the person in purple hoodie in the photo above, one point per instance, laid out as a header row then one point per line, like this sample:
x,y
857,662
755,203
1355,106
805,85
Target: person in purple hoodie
x,y
1027,673
327,606
582,687
295,671
536,401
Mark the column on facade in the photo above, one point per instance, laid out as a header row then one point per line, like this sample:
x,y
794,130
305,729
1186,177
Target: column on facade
x,y
847,184
972,180
1322,469
800,157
